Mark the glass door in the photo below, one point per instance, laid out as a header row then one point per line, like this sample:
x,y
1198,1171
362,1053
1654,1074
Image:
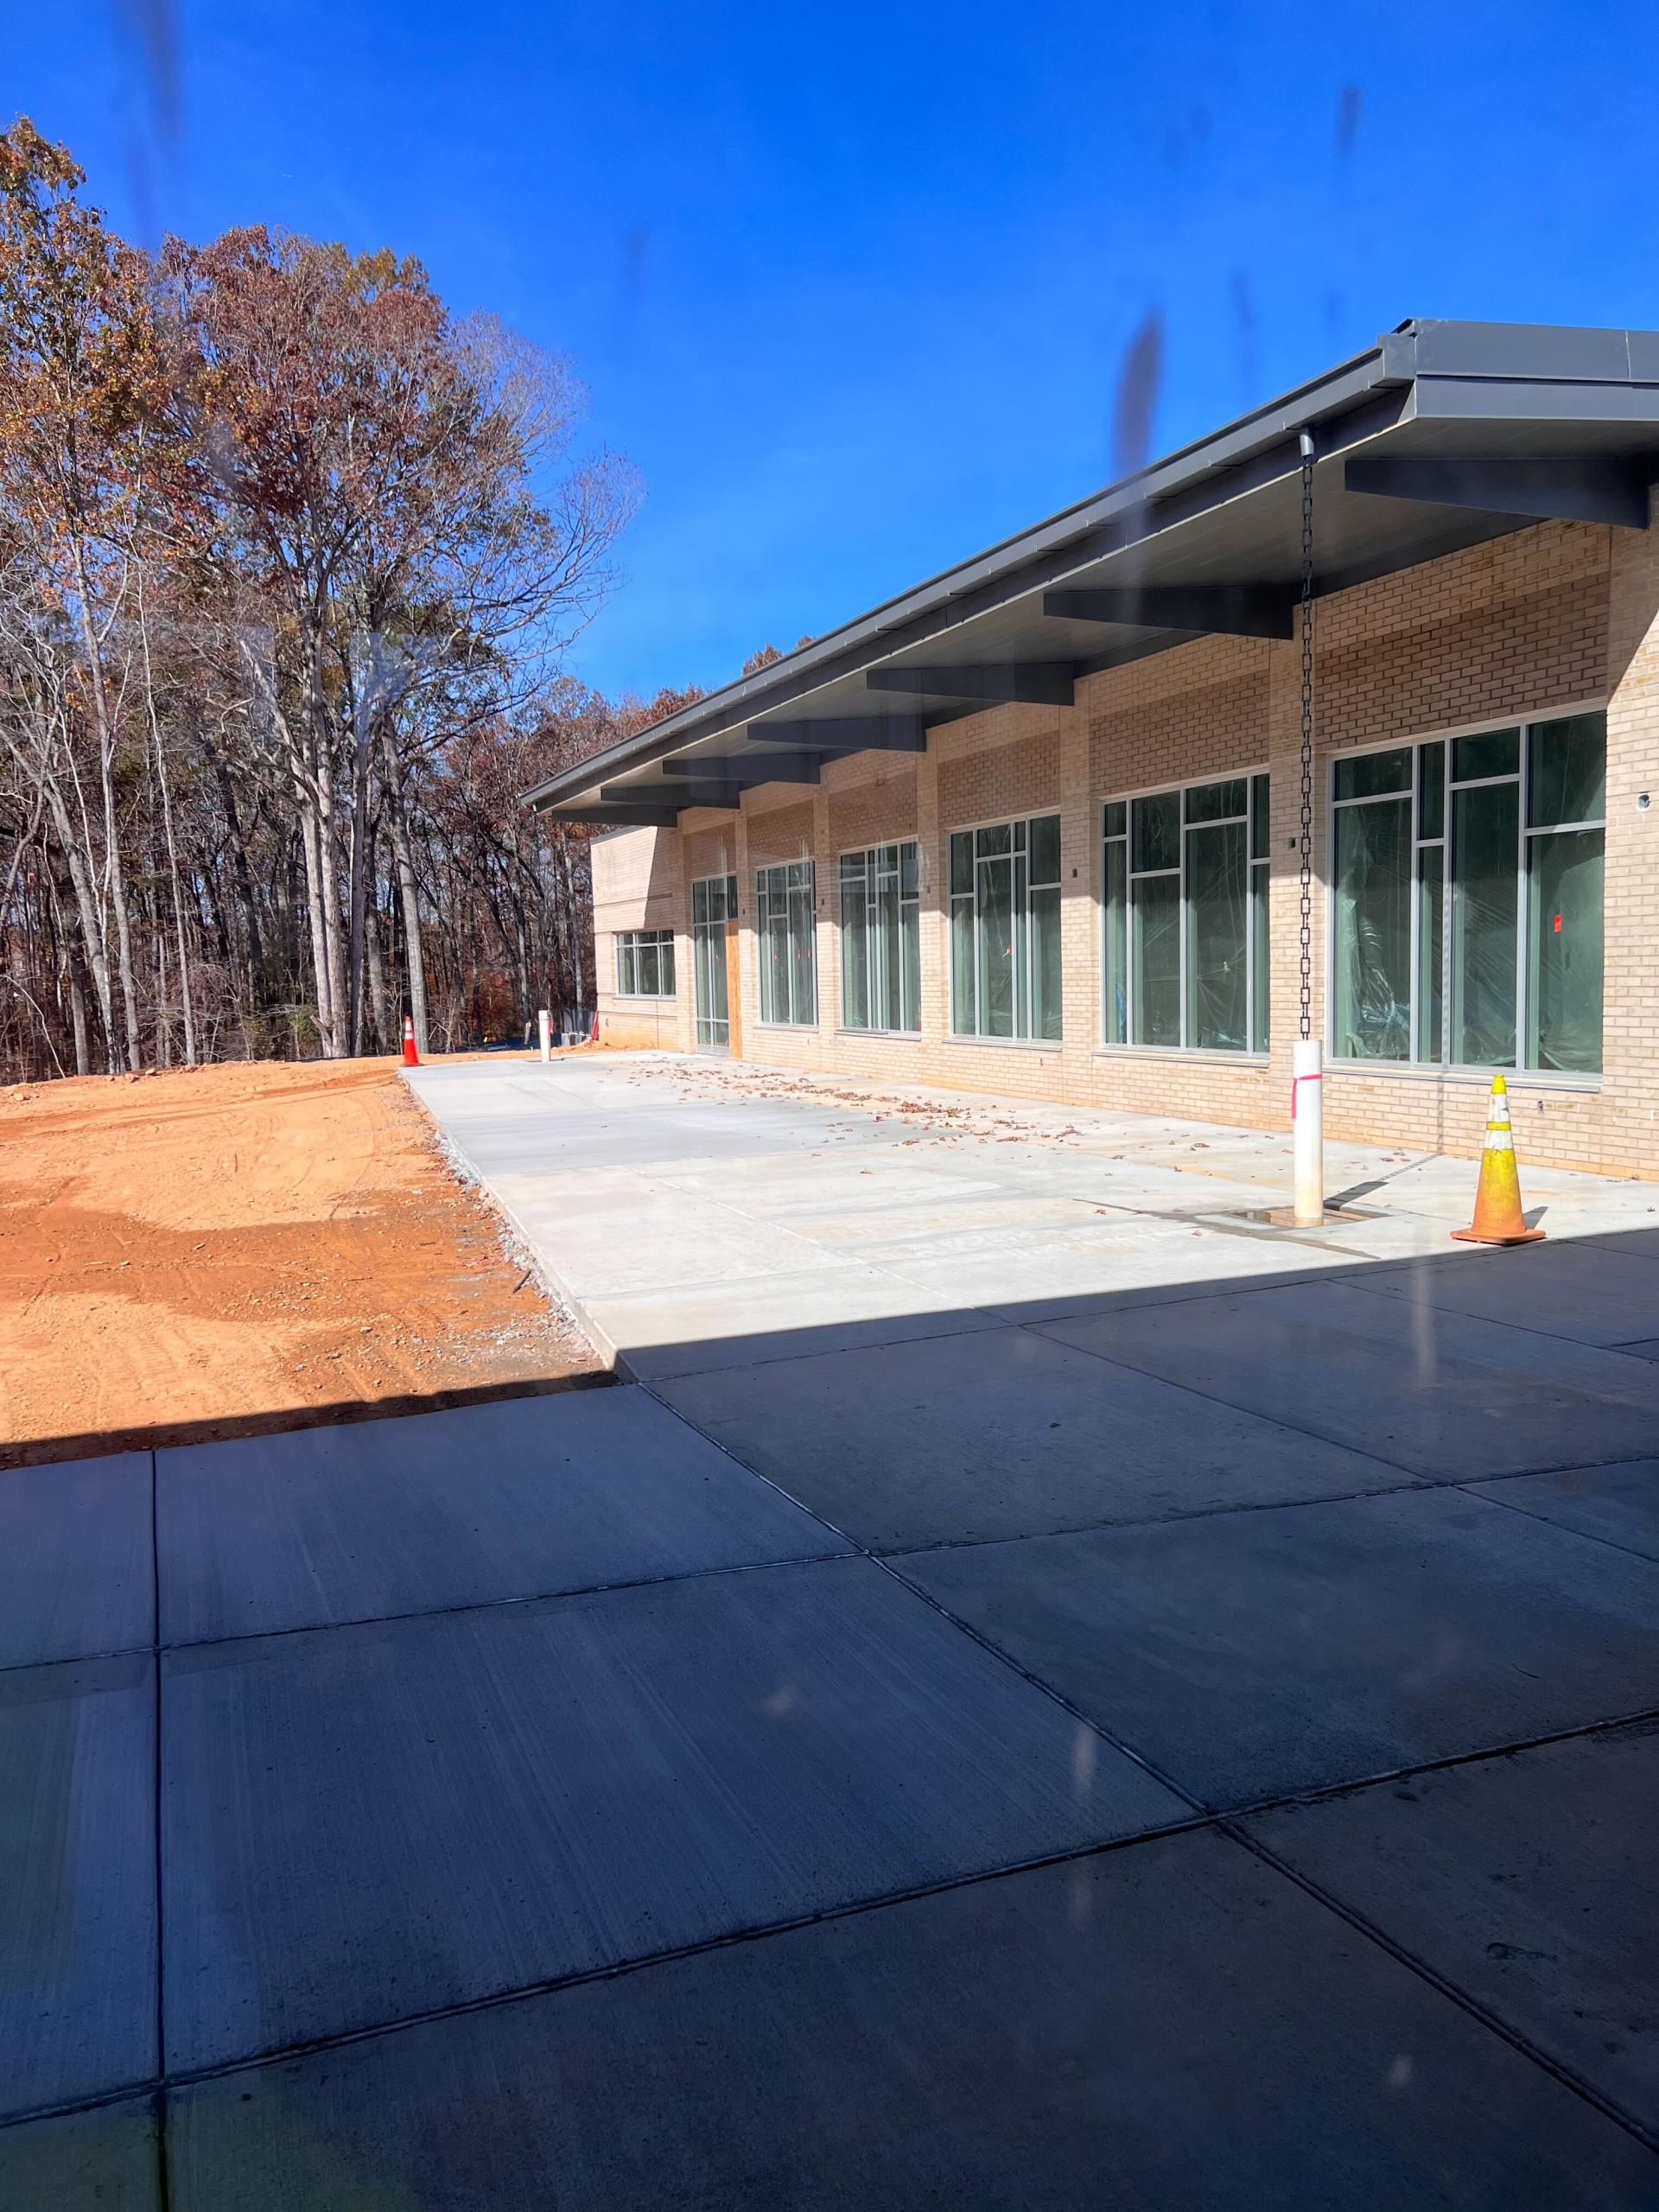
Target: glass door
x,y
714,903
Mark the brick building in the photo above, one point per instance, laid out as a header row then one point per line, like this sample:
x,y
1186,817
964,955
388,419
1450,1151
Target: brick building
x,y
1036,826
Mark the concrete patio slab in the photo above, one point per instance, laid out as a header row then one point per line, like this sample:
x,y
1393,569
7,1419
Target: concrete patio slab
x,y
670,1240
967,1438
1148,1262
1620,1504
1249,1655
77,1880
1166,2028
362,1823
834,1306
105,2160
76,1574
652,1177
1593,1291
520,1499
1436,1392
1526,1881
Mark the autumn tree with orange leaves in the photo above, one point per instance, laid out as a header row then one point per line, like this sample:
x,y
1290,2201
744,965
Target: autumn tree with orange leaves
x,y
288,556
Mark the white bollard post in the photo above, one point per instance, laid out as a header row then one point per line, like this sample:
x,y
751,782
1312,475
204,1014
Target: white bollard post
x,y
1307,1131
545,1023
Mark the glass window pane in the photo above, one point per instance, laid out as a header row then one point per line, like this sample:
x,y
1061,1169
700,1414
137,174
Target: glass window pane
x,y
908,880
1209,802
988,843
964,999
1259,818
1564,965
700,902
667,967
855,948
1216,977
1117,976
777,1009
962,863
1494,752
1566,773
1045,848
1431,950
910,1011
1117,815
1485,824
1366,775
1046,963
995,941
1157,906
1260,956
803,982
1431,791
884,982
1021,948
1373,932
647,958
1158,832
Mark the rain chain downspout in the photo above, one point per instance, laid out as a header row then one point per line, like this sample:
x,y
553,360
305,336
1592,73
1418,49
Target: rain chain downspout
x,y
1307,1083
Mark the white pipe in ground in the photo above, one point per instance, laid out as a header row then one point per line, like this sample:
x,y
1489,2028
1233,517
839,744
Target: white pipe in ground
x,y
545,1023
1307,1131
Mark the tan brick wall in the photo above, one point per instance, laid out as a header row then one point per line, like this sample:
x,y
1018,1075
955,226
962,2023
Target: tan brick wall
x,y
1544,620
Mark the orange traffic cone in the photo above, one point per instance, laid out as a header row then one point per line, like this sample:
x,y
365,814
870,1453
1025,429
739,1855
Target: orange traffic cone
x,y
1498,1218
411,1057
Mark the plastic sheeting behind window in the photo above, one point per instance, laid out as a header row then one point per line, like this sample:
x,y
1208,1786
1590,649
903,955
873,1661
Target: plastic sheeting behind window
x,y
1373,948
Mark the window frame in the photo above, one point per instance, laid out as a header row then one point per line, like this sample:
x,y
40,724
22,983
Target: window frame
x,y
633,940
1251,1053
1416,1064
948,898
909,905
765,895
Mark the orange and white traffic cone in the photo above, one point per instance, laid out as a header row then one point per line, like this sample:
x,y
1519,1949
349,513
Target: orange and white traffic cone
x,y
411,1057
1498,1218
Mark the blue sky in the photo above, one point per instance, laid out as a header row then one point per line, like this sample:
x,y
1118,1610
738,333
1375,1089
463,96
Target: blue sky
x,y
853,286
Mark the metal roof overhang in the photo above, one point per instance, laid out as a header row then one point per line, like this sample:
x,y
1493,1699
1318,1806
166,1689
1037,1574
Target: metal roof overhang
x,y
1443,435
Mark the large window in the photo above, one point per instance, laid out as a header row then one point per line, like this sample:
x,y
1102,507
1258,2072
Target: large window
x,y
1185,897
783,935
880,938
645,963
1005,929
1468,898
714,914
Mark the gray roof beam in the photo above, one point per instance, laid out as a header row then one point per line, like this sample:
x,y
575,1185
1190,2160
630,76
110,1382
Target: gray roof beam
x,y
843,734
608,815
740,771
1044,683
1234,610
1587,489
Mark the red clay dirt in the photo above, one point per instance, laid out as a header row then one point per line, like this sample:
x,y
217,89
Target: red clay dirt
x,y
216,1251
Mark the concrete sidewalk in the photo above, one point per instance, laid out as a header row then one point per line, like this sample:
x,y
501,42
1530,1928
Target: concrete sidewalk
x,y
1183,1734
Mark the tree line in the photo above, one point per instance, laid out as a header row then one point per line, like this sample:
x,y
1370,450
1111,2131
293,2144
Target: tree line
x,y
289,556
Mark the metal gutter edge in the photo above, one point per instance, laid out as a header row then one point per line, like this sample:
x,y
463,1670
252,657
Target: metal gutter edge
x,y
1391,361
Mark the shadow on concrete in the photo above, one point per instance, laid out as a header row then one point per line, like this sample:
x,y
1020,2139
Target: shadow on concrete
x,y
44,1451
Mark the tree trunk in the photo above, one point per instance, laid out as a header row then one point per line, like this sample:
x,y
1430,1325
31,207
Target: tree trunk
x,y
358,874
185,1011
115,872
414,964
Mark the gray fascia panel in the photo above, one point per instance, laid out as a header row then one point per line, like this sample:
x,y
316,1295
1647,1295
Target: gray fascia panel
x,y
1495,371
